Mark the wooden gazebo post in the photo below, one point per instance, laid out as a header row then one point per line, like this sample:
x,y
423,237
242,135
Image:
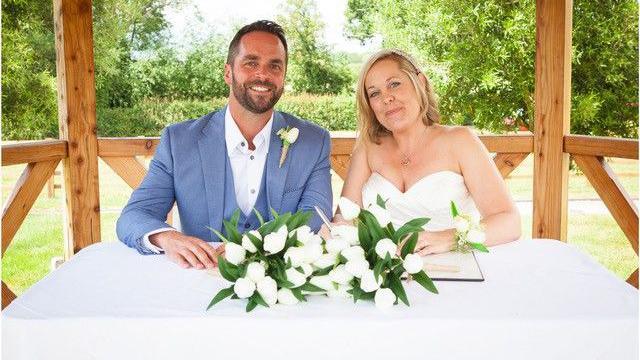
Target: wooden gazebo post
x,y
552,114
77,117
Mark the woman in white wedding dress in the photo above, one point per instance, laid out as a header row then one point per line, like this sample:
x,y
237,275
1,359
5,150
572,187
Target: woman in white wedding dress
x,y
417,165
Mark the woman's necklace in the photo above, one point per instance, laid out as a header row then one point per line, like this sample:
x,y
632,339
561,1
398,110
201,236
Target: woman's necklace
x,y
405,160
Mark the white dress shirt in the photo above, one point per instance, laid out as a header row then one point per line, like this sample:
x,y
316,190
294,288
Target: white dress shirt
x,y
247,167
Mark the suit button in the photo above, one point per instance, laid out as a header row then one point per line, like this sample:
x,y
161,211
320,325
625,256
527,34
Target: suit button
x,y
251,157
247,225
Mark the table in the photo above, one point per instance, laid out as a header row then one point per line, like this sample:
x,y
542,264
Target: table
x,y
541,299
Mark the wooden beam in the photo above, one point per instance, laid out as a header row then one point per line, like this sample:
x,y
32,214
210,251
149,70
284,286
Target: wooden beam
x,y
508,143
7,295
24,194
340,164
33,151
633,279
618,201
552,111
125,147
507,162
130,169
73,24
601,146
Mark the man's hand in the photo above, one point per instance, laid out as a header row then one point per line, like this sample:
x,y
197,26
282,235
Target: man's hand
x,y
187,251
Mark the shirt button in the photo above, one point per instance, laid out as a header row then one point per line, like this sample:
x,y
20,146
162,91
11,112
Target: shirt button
x,y
253,191
251,157
247,225
242,143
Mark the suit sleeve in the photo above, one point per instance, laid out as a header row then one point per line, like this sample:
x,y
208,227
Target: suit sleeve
x,y
317,192
150,203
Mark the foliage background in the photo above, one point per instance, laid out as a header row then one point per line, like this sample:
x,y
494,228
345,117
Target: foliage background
x,y
480,56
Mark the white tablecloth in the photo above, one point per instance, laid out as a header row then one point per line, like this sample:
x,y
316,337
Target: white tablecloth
x,y
541,299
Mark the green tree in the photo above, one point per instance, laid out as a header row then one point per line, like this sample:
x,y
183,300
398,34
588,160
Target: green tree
x,y
312,67
481,58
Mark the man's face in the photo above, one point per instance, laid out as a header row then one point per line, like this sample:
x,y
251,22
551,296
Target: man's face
x,y
256,76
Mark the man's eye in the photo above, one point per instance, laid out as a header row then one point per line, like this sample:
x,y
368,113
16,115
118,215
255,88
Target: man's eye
x,y
276,67
251,64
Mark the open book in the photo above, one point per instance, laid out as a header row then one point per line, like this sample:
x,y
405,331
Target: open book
x,y
453,266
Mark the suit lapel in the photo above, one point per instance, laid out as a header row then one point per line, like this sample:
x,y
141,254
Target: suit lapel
x,y
213,155
276,177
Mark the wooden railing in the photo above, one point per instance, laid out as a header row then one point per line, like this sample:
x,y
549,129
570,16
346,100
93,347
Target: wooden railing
x,y
122,155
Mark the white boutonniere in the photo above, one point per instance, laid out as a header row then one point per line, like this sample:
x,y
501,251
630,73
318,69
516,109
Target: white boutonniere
x,y
288,137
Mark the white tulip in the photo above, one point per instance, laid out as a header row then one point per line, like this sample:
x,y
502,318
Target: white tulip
x,y
303,233
346,232
255,271
384,298
246,242
324,282
381,214
234,253
336,245
307,269
296,255
340,276
268,289
325,260
476,236
315,239
353,253
286,297
461,224
295,277
312,252
342,292
274,242
386,246
244,288
413,263
292,135
357,267
368,281
348,209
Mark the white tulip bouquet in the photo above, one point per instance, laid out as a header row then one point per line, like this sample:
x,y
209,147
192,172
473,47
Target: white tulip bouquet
x,y
271,264
469,233
374,255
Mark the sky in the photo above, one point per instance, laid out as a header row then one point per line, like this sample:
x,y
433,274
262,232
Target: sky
x,y
202,17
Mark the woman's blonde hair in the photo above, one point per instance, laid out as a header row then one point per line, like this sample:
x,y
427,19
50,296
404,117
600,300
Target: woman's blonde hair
x,y
368,125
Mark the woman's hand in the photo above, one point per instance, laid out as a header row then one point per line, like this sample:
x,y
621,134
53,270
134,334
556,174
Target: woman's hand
x,y
435,242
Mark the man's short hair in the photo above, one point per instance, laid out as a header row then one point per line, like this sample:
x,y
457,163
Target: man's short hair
x,y
260,25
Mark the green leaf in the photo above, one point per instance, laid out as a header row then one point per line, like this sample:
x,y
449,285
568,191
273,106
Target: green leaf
x,y
221,295
377,269
396,286
423,279
372,225
235,217
259,216
310,287
363,236
219,234
480,247
454,209
409,245
357,292
291,241
324,271
251,305
228,271
254,240
380,201
297,292
274,213
298,219
411,226
232,232
258,299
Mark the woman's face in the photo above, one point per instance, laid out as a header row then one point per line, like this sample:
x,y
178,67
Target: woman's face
x,y
392,96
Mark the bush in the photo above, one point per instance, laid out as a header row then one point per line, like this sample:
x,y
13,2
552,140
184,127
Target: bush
x,y
149,117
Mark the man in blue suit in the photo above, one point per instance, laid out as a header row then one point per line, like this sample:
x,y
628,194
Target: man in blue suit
x,y
230,159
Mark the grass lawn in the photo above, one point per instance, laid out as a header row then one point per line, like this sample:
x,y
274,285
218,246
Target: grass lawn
x,y
40,238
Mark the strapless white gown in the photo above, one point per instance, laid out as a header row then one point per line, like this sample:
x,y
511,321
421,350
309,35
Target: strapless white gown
x,y
430,197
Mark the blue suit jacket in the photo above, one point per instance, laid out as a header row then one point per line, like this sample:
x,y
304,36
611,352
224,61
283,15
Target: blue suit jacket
x,y
189,168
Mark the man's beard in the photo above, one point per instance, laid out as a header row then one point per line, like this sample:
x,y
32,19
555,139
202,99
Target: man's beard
x,y
262,105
